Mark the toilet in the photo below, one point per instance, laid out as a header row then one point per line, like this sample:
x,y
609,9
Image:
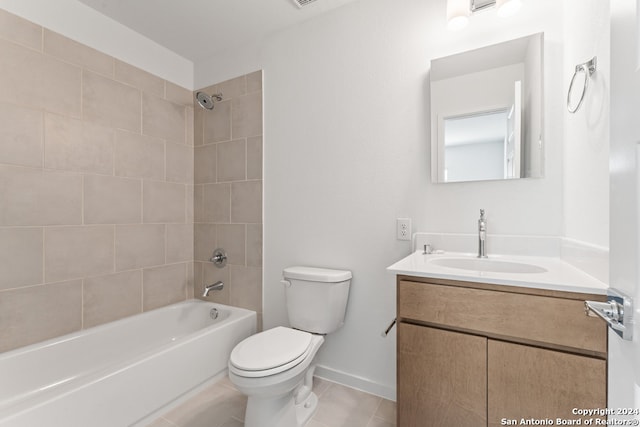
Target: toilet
x,y
275,368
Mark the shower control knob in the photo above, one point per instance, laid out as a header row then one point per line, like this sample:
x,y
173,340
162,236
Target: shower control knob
x,y
219,258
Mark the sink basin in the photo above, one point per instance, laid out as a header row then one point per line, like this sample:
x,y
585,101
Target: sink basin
x,y
488,265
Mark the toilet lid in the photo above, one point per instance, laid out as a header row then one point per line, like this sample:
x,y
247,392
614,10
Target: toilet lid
x,y
270,349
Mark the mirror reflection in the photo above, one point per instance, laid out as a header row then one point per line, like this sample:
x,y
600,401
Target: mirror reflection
x,y
486,113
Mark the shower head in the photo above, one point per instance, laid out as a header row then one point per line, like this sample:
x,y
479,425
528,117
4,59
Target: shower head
x,y
206,101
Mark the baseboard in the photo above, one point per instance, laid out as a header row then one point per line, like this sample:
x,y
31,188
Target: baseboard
x,y
354,381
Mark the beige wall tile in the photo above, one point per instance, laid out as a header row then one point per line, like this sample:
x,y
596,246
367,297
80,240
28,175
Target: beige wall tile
x,y
198,126
254,245
232,88
205,164
163,119
110,103
216,203
254,157
112,200
246,202
73,252
34,197
20,135
232,161
164,285
61,87
74,145
20,30
36,313
163,202
217,123
178,94
232,238
198,203
111,297
139,246
138,78
205,240
179,163
139,156
190,203
20,74
79,54
246,116
189,124
254,81
20,257
245,287
180,245
190,279
32,79
210,275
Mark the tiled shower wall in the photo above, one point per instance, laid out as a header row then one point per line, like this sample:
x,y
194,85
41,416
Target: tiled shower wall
x,y
96,188
228,192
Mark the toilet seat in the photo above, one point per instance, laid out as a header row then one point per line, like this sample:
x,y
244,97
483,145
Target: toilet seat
x,y
270,352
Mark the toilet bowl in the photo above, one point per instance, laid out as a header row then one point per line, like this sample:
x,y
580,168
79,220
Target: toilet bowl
x,y
275,368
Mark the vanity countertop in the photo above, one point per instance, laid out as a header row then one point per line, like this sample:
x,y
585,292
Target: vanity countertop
x,y
559,275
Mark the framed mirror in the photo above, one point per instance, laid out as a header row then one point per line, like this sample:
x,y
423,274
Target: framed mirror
x,y
486,113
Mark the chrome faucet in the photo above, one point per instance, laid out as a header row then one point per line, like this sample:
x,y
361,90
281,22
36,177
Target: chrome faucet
x,y
215,287
482,235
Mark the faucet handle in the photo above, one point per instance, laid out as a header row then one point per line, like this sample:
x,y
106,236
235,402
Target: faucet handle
x,y
482,213
428,250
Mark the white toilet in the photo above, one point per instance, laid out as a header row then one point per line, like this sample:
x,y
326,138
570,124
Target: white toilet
x,y
274,368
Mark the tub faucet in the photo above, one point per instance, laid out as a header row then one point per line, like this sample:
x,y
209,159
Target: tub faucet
x,y
482,235
215,287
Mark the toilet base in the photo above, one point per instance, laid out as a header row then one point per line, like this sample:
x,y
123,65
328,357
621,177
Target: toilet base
x,y
279,411
306,409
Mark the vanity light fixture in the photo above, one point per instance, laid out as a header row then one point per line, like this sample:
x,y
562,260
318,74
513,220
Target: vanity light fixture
x,y
459,11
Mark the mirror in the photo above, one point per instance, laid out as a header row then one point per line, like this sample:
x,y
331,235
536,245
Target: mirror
x,y
486,113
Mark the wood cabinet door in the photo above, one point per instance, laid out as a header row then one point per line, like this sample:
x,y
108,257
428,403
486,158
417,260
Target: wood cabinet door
x,y
530,382
442,378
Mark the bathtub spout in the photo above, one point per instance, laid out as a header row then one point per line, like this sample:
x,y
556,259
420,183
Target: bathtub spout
x,y
215,287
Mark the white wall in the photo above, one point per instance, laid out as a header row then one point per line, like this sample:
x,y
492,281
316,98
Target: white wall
x,y
586,133
346,151
85,25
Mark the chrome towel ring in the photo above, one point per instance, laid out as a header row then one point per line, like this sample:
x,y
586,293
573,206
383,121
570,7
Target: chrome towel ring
x,y
588,68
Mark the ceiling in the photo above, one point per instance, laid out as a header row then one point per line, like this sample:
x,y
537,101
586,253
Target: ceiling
x,y
198,29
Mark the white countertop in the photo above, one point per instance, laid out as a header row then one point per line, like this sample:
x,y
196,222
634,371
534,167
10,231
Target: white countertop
x,y
560,276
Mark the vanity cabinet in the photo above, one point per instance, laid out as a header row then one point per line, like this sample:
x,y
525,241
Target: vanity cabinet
x,y
472,354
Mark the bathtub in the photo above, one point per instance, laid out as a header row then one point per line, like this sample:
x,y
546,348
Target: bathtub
x,y
116,374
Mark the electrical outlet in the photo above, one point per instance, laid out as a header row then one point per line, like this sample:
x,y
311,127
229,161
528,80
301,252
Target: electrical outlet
x,y
403,228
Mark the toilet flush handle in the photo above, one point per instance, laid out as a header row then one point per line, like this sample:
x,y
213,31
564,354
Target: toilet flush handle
x,y
286,283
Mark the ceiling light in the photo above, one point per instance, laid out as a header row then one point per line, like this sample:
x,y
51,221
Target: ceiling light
x,y
508,8
457,14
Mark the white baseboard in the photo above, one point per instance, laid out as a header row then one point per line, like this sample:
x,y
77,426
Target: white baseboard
x,y
359,383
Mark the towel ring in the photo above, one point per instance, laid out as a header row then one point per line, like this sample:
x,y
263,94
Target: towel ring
x,y
588,68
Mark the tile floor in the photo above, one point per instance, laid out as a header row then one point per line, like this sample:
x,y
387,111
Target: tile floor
x,y
221,405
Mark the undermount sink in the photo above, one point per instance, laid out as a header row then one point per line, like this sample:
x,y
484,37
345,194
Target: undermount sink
x,y
488,265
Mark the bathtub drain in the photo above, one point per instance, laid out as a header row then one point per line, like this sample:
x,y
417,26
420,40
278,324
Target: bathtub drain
x,y
214,313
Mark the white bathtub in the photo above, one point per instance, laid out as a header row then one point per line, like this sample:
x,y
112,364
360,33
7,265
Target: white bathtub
x,y
116,374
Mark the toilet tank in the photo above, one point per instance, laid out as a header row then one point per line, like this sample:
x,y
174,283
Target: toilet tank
x,y
316,298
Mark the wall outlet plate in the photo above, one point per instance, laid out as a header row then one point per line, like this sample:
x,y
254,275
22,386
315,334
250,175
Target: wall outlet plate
x,y
403,228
